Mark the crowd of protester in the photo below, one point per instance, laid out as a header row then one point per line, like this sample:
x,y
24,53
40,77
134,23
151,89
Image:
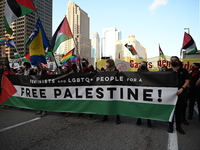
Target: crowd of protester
x,y
188,86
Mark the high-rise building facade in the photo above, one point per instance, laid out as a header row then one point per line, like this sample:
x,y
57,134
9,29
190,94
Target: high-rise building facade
x,y
109,38
23,26
96,45
123,52
79,23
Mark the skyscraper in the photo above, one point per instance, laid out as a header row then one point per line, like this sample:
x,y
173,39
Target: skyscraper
x,y
79,23
96,45
109,39
24,25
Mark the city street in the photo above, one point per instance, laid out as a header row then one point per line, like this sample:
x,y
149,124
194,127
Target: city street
x,y
23,130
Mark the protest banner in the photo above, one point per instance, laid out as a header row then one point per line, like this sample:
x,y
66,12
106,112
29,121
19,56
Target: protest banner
x,y
150,95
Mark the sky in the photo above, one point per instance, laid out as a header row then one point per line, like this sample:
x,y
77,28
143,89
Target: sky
x,y
153,22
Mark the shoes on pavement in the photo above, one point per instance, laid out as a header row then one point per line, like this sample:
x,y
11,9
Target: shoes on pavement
x,y
185,122
118,121
180,130
105,118
67,114
91,116
149,125
43,114
139,122
39,112
80,115
170,128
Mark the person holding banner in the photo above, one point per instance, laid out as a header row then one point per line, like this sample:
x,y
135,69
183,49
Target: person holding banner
x,y
183,82
110,66
143,68
194,90
85,69
41,71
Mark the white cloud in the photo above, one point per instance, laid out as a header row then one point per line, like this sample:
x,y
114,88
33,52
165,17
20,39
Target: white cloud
x,y
156,4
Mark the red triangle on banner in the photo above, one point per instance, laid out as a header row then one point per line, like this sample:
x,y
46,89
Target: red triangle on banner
x,y
8,89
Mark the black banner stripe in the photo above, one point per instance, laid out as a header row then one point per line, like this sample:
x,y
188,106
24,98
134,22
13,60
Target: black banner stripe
x,y
190,43
151,79
14,6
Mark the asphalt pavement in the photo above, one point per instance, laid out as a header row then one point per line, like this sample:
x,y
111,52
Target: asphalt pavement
x,y
23,130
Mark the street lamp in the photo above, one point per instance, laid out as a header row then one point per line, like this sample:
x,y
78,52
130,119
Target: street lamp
x,y
188,30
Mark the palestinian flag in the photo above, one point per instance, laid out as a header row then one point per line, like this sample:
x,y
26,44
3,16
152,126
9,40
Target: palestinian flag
x,y
15,9
8,89
16,55
62,34
10,43
27,56
161,54
131,49
189,45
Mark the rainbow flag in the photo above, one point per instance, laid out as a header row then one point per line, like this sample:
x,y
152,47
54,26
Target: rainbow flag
x,y
4,39
68,56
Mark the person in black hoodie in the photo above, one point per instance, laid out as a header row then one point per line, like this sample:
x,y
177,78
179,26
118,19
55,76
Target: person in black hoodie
x,y
183,82
85,69
143,68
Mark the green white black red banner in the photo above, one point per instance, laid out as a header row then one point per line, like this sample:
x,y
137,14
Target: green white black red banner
x,y
149,95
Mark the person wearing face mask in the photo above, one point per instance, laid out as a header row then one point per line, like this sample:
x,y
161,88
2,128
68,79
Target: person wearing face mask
x,y
194,90
110,66
85,69
183,82
85,64
143,68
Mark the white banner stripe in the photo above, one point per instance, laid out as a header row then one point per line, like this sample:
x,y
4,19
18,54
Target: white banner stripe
x,y
151,95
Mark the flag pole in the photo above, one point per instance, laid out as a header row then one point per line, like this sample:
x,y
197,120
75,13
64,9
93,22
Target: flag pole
x,y
75,42
76,46
181,52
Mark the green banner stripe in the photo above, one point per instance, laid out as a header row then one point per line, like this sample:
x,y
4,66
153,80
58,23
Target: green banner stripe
x,y
131,109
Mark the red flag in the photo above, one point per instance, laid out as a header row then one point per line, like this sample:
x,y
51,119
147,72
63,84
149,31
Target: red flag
x,y
8,89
